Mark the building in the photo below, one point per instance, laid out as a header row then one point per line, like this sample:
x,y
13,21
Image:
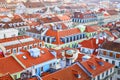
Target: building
x,y
85,17
58,35
93,43
97,68
3,4
6,77
15,44
74,72
37,60
109,51
32,7
14,21
11,66
7,33
91,68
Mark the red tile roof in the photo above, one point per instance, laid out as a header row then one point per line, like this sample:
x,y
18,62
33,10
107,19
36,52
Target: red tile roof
x,y
113,12
50,19
67,74
63,17
6,77
62,33
93,61
92,43
1,55
31,61
34,4
79,58
92,28
9,65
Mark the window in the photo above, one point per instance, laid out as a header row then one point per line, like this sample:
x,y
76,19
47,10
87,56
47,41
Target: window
x,y
111,54
107,73
41,68
15,77
30,47
117,55
118,78
54,63
35,70
98,78
25,48
111,70
51,65
40,44
107,60
9,51
103,75
118,72
14,50
113,62
104,53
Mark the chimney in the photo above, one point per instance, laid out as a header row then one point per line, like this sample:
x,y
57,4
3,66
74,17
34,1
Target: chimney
x,y
77,74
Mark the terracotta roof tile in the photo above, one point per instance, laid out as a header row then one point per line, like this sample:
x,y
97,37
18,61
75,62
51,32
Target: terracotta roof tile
x,y
93,61
50,19
62,33
92,43
63,17
113,46
31,61
6,77
92,28
34,4
61,74
9,65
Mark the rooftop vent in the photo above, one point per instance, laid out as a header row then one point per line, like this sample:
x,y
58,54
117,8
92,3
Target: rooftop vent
x,y
42,52
24,57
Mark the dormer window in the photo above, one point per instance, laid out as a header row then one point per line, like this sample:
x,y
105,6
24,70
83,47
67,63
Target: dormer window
x,y
14,50
9,51
93,67
101,63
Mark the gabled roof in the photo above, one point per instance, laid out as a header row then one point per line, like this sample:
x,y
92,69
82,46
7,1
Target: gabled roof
x,y
9,65
68,73
31,61
96,66
112,12
34,4
6,77
92,43
50,19
113,46
62,33
92,28
63,17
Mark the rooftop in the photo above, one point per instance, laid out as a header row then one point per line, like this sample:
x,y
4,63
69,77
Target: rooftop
x,y
9,64
96,66
6,77
31,61
70,71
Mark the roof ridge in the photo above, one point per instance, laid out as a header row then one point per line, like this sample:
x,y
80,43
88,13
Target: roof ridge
x,y
18,61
